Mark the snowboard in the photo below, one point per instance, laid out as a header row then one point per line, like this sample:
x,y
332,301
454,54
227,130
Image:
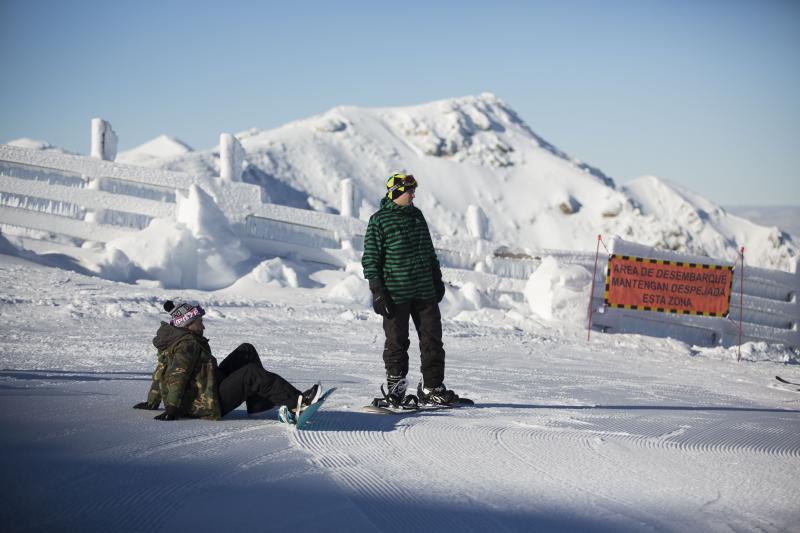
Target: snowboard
x,y
299,422
380,407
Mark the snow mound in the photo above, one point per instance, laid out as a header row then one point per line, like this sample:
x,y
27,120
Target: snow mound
x,y
164,251
557,291
754,352
198,250
36,144
155,152
352,289
459,302
276,273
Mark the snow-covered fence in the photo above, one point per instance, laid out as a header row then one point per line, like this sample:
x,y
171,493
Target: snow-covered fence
x,y
93,200
89,199
82,197
770,308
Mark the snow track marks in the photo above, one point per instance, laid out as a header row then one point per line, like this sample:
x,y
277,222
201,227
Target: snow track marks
x,y
408,460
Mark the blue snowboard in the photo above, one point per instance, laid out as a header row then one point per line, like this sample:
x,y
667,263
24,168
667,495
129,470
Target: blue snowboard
x,y
287,417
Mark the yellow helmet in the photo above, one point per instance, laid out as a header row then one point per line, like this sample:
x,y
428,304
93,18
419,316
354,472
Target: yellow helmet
x,y
397,184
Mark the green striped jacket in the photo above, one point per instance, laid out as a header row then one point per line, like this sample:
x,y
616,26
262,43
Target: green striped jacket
x,y
398,251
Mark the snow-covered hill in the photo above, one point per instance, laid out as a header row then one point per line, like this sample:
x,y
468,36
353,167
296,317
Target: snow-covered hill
x,y
473,150
37,144
785,217
156,152
476,150
688,222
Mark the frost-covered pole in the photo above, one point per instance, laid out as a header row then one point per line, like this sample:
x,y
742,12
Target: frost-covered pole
x,y
104,140
347,190
347,209
476,222
231,157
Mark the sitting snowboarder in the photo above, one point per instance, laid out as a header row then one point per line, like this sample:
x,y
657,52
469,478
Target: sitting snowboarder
x,y
191,384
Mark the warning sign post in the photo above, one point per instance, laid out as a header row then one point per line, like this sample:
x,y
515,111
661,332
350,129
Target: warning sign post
x,y
668,286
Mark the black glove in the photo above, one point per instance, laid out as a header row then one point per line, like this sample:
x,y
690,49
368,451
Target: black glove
x,y
145,405
171,413
438,284
381,302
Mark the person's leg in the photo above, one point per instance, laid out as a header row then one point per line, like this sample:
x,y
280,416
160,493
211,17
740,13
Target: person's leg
x,y
244,354
428,321
395,349
261,389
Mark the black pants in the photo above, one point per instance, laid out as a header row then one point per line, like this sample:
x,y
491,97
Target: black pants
x,y
428,321
242,378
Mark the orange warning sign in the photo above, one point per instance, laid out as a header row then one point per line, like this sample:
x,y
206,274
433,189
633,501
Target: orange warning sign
x,y
668,286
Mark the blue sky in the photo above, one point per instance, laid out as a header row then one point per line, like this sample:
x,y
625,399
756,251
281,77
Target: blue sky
x,y
704,93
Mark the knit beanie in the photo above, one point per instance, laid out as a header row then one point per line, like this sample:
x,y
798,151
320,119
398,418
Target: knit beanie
x,y
183,314
397,184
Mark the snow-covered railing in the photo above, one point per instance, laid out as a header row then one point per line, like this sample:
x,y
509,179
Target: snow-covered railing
x,y
90,199
770,308
82,197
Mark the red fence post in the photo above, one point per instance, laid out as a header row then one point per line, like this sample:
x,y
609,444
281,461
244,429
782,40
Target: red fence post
x,y
741,305
591,294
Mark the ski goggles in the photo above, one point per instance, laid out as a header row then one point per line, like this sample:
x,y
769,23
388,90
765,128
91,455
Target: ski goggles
x,y
400,182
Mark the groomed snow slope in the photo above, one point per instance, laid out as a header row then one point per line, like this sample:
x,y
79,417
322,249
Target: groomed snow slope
x,y
623,433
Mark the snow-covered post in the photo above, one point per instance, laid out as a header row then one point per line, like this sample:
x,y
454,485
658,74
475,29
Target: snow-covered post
x,y
347,190
104,140
476,222
231,157
347,197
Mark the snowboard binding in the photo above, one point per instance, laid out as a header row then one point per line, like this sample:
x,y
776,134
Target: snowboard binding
x,y
396,398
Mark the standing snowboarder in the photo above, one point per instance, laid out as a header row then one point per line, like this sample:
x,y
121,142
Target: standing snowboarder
x,y
191,384
406,281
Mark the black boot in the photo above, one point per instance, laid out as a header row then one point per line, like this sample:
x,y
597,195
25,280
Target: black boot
x,y
312,395
438,395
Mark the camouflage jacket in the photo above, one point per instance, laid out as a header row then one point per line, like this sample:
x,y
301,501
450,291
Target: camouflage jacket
x,y
185,373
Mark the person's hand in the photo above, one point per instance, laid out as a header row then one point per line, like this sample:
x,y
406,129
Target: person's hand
x,y
438,284
171,413
145,405
381,302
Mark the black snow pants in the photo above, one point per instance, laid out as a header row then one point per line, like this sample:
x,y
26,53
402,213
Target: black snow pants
x,y
242,378
428,321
